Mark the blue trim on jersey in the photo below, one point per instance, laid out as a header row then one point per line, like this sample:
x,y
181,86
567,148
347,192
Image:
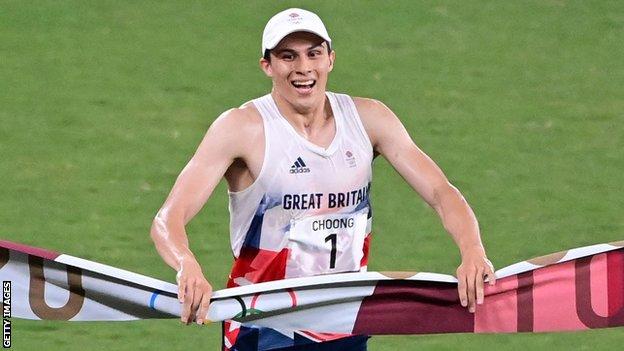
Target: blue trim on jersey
x,y
270,339
365,203
252,238
247,340
252,338
352,343
260,339
362,205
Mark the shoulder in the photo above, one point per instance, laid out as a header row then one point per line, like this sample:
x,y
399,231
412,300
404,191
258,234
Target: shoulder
x,y
242,119
377,118
236,131
372,110
367,104
236,124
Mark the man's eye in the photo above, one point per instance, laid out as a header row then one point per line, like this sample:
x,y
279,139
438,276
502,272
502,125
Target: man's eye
x,y
287,57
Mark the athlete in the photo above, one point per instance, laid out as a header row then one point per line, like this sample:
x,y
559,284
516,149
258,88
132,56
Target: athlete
x,y
297,162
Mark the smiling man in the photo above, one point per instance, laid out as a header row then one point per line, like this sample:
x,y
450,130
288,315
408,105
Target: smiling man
x,y
298,163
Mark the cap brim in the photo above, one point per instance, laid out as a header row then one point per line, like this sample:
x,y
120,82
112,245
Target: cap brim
x,y
273,42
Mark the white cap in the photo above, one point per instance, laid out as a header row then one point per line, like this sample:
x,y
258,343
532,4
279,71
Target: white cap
x,y
290,21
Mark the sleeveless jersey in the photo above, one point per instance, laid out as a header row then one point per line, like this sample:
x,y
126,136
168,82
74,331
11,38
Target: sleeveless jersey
x,y
308,211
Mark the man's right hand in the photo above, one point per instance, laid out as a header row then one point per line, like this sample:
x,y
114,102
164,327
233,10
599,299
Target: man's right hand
x,y
193,187
194,291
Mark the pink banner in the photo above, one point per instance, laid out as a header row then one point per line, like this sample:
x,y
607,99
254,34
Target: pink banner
x,y
583,293
578,289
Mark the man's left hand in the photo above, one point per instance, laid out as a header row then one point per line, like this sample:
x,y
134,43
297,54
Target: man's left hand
x,y
472,272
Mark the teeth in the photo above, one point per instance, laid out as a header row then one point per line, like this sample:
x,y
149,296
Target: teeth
x,y
303,82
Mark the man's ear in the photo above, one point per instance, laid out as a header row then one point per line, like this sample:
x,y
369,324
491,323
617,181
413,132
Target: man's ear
x,y
265,66
332,58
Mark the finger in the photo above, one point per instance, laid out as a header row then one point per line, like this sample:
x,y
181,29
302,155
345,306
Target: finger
x,y
203,307
188,300
197,296
491,275
461,289
181,289
479,286
470,279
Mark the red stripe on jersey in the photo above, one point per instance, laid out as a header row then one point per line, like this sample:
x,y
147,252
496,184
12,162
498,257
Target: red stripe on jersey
x,y
230,335
321,337
258,266
365,250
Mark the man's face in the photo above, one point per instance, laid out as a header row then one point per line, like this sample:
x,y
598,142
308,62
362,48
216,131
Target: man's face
x,y
299,67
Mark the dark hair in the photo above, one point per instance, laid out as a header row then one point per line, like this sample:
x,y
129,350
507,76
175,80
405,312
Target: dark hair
x,y
267,52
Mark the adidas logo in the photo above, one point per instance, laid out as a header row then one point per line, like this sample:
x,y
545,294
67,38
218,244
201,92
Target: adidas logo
x,y
299,167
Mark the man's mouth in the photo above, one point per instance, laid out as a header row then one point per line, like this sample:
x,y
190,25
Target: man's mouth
x,y
303,86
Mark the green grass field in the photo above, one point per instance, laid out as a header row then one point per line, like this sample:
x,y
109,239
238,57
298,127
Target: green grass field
x,y
103,102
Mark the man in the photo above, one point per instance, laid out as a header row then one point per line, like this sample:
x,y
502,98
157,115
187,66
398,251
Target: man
x,y
298,166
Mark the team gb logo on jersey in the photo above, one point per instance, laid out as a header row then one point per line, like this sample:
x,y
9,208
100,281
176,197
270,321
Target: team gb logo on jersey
x,y
350,159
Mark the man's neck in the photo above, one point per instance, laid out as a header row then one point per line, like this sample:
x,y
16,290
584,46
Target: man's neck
x,y
304,118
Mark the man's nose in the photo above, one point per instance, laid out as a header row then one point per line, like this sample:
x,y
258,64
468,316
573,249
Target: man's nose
x,y
303,65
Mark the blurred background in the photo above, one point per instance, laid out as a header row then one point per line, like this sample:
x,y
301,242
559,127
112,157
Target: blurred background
x,y
102,103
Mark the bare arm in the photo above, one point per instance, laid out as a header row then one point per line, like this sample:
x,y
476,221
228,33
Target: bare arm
x,y
220,146
392,141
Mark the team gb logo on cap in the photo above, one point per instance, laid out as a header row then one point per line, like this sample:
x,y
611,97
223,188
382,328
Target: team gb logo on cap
x,y
294,18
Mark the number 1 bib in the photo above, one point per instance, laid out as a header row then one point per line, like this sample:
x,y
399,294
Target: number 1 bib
x,y
329,243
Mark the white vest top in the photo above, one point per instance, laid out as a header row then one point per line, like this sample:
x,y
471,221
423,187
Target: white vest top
x,y
308,200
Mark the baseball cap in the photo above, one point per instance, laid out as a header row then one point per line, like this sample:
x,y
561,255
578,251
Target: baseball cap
x,y
290,21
